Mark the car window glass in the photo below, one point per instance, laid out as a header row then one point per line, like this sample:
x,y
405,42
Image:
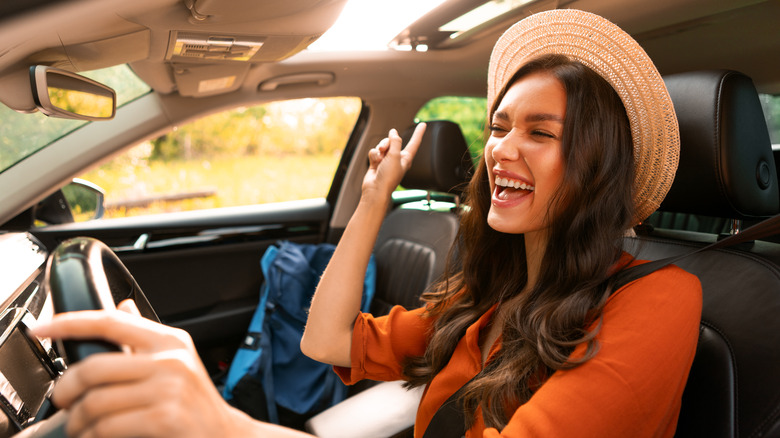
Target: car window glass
x,y
21,135
278,151
771,106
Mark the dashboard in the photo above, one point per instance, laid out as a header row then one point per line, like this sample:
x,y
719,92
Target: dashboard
x,y
29,365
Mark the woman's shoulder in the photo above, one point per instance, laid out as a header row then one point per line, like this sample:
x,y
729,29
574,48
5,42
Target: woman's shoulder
x,y
668,273
671,284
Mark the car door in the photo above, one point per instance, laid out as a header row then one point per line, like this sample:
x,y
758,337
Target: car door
x,y
200,268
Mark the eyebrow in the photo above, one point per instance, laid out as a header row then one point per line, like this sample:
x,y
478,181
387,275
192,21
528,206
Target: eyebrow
x,y
536,117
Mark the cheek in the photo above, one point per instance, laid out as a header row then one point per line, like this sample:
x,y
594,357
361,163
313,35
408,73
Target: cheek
x,y
488,154
557,174
554,180
560,168
489,163
555,165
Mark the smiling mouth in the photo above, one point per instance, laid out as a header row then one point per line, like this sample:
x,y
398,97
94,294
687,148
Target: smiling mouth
x,y
507,188
513,184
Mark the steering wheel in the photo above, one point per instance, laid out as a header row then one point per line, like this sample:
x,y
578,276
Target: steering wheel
x,y
85,274
84,271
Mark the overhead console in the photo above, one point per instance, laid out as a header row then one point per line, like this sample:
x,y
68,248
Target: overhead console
x,y
212,51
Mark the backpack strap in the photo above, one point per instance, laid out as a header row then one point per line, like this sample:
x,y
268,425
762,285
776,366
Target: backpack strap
x,y
449,420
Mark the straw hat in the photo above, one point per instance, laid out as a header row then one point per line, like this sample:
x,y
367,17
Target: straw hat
x,y
614,55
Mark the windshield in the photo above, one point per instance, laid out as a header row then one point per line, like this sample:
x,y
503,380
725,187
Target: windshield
x,y
21,135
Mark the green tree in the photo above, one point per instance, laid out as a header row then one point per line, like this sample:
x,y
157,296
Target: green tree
x,y
771,107
309,126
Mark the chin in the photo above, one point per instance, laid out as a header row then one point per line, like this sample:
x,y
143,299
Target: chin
x,y
502,225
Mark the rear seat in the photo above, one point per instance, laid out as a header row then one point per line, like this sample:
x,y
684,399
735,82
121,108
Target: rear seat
x,y
726,170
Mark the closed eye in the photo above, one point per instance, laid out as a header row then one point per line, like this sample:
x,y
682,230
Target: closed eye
x,y
495,129
543,134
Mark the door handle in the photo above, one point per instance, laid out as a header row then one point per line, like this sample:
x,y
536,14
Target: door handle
x,y
138,246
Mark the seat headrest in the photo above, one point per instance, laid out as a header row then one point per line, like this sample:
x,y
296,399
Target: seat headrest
x,y
443,162
726,166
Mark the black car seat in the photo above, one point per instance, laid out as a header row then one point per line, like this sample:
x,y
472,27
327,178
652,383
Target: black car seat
x,y
412,245
726,170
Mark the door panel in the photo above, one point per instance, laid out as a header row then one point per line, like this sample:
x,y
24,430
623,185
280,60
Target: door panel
x,y
201,270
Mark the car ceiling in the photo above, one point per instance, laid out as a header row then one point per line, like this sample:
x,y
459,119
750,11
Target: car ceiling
x,y
680,35
79,35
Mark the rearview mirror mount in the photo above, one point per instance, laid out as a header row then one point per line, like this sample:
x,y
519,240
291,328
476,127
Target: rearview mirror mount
x,y
64,94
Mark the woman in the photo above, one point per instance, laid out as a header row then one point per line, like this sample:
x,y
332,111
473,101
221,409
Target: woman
x,y
583,144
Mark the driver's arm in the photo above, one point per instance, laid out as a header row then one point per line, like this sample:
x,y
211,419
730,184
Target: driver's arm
x,y
158,387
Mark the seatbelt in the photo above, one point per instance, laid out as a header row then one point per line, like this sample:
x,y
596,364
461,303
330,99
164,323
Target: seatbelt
x,y
765,228
449,420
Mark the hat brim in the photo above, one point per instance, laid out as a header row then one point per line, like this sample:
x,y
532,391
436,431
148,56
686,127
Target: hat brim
x,y
613,54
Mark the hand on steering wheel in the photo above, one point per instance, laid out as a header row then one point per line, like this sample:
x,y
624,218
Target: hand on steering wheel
x,y
155,386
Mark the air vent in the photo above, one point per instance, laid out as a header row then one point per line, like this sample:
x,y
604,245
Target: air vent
x,y
208,47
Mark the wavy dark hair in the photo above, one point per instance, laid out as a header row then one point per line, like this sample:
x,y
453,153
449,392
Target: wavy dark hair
x,y
590,214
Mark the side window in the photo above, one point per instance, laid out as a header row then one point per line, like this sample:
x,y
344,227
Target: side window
x,y
470,113
771,106
239,157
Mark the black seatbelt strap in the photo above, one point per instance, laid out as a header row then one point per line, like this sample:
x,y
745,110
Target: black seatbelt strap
x,y
449,421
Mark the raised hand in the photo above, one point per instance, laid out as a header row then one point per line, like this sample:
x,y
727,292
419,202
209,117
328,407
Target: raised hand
x,y
388,162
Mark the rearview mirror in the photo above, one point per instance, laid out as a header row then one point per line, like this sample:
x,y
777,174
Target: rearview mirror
x,y
63,94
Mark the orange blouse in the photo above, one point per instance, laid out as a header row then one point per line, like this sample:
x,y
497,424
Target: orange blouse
x,y
632,387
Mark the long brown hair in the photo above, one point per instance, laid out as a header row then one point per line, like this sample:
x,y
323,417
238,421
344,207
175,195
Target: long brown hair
x,y
588,217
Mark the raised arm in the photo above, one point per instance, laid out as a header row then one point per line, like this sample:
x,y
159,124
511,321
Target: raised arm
x,y
336,303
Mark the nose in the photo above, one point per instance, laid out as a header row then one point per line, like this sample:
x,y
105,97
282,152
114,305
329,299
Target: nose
x,y
505,149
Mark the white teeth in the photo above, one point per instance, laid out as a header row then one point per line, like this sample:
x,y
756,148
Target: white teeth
x,y
506,182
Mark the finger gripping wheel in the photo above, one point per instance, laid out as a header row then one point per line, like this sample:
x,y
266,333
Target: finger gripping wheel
x,y
84,274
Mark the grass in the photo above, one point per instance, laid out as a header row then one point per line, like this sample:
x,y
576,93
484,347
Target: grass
x,y
236,181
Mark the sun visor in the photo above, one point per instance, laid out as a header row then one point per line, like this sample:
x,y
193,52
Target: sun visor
x,y
15,91
97,54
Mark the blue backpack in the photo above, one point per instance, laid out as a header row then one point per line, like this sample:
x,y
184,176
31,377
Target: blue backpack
x,y
269,370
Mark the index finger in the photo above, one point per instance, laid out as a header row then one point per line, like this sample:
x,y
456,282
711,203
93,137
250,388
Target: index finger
x,y
414,142
114,326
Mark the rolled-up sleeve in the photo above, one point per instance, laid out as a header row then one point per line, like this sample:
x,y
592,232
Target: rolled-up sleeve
x,y
379,345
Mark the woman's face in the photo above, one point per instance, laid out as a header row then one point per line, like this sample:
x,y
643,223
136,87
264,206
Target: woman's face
x,y
524,156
